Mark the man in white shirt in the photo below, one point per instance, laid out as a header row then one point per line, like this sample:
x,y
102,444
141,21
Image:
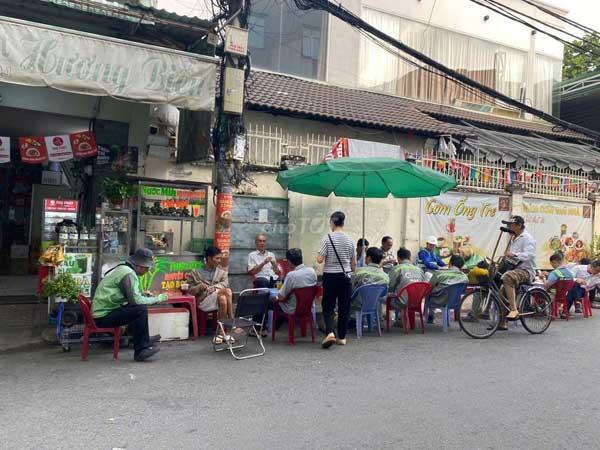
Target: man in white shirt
x,y
262,264
522,250
300,277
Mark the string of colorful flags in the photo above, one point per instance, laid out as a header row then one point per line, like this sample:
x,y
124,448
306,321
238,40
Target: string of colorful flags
x,y
488,175
60,148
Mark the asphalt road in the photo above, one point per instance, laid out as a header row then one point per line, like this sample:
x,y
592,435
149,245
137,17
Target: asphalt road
x,y
419,391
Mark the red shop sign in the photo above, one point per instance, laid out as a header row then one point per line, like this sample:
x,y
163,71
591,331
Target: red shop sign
x,y
52,205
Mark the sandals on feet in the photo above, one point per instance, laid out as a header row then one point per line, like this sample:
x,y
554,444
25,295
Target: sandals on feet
x,y
218,340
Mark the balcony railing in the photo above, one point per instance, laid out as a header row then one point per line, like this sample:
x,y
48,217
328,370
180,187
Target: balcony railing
x,y
486,176
267,144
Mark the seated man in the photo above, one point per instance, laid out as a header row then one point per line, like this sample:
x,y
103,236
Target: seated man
x,y
118,302
586,277
560,272
427,256
389,260
210,285
262,264
444,278
372,273
402,274
300,277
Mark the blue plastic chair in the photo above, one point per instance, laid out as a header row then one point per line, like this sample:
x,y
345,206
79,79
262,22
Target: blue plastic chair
x,y
371,296
454,292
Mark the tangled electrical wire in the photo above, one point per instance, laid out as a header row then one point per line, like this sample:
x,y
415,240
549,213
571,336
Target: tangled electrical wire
x,y
350,18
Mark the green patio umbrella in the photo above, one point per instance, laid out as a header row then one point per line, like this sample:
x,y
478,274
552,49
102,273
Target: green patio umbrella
x,y
366,178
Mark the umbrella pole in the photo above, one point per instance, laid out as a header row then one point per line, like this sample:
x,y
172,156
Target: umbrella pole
x,y
364,250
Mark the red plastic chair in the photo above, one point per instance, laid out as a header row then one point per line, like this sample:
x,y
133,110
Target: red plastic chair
x,y
587,305
562,289
203,318
90,327
416,293
305,298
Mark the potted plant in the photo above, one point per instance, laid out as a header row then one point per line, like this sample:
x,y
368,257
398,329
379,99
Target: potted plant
x,y
116,191
63,288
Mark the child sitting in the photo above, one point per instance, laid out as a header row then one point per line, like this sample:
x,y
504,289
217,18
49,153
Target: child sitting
x,y
560,273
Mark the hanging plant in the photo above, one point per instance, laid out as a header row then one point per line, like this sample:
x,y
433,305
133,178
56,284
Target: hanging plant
x,y
117,190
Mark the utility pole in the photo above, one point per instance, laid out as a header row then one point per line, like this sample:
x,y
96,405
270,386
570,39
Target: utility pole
x,y
229,140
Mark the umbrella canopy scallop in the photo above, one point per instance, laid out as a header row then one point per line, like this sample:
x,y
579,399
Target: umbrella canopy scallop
x,y
366,177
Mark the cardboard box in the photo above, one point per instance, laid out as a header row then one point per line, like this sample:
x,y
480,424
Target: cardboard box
x,y
170,323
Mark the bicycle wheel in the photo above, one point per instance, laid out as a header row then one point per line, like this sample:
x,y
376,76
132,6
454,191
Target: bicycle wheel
x,y
535,308
479,314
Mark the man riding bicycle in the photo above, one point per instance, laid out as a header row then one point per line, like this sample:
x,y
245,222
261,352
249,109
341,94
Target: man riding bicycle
x,y
521,252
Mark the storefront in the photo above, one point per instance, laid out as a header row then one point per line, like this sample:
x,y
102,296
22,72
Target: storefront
x,y
55,84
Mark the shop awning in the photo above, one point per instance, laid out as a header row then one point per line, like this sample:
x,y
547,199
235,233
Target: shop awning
x,y
32,54
535,151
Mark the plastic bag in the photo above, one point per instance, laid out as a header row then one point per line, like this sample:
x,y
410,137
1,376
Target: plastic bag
x,y
54,255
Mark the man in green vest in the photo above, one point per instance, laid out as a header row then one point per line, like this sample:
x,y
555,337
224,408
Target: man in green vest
x,y
118,301
403,273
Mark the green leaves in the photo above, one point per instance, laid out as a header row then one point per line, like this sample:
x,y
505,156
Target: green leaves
x,y
116,189
63,285
578,62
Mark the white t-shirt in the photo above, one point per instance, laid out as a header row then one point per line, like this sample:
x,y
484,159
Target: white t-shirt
x,y
256,258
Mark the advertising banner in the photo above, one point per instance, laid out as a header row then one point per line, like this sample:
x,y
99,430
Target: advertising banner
x,y
168,273
559,226
464,223
33,150
223,218
68,206
59,148
84,144
36,55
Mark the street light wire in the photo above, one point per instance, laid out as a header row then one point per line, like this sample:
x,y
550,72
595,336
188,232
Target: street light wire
x,y
533,27
562,18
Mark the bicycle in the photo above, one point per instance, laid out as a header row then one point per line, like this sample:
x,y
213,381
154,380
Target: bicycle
x,y
482,309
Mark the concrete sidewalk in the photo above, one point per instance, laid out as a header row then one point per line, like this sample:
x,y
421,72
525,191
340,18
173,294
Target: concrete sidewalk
x,y
22,324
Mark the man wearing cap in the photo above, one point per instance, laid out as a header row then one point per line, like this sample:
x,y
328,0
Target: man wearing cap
x,y
427,256
119,302
522,250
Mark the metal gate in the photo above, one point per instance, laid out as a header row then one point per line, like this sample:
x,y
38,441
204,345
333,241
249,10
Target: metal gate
x,y
252,216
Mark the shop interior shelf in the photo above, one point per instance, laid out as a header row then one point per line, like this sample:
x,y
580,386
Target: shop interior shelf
x,y
196,219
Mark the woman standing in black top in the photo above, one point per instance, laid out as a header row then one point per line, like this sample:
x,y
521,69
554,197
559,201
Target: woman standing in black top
x,y
338,255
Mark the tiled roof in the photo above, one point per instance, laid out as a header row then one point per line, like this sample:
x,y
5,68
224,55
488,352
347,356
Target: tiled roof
x,y
276,92
501,123
315,100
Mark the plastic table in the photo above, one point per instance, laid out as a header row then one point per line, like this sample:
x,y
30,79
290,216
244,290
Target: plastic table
x,y
189,302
